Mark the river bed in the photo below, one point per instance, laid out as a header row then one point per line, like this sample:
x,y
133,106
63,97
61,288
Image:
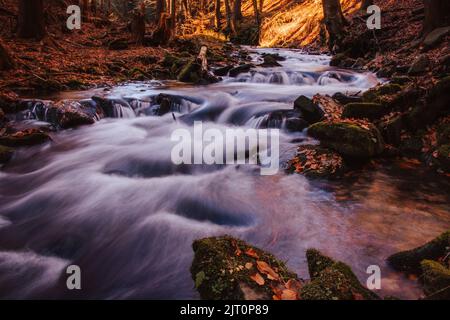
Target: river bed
x,y
108,198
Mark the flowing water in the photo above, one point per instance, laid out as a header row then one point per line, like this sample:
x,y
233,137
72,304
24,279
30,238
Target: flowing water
x,y
107,197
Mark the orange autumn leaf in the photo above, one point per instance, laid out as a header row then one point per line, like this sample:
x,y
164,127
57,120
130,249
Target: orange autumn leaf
x,y
263,267
288,294
251,253
258,279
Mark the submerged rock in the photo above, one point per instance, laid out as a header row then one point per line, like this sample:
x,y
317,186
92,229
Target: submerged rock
x,y
316,162
309,110
410,260
332,280
364,110
350,139
225,268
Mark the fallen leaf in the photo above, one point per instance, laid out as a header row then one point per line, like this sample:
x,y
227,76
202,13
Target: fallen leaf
x,y
249,265
293,284
258,279
263,267
288,294
252,253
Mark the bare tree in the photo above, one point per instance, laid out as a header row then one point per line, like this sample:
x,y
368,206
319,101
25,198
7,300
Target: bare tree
x,y
173,14
437,14
31,19
228,15
255,9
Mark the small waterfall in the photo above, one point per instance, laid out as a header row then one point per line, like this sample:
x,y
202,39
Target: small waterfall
x,y
121,111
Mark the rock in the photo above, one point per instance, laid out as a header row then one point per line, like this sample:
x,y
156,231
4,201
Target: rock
x,y
376,94
344,99
274,56
223,71
352,140
412,145
391,130
316,162
332,280
420,65
24,138
5,154
342,60
364,110
436,280
435,36
240,69
72,114
400,80
118,44
309,110
296,124
440,158
225,268
270,61
436,104
409,261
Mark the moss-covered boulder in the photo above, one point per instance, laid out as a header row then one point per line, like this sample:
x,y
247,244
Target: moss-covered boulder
x,y
225,268
316,162
377,94
436,280
364,110
350,139
29,137
391,129
5,154
409,261
332,280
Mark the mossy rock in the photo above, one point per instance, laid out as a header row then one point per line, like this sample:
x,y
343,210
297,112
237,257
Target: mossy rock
x,y
364,110
5,154
349,139
409,261
309,110
441,158
436,280
376,94
222,269
25,138
332,280
412,145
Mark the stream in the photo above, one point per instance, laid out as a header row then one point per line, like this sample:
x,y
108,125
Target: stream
x,y
107,197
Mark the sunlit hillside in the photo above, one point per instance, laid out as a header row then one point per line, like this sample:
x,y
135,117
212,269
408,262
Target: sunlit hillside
x,y
294,22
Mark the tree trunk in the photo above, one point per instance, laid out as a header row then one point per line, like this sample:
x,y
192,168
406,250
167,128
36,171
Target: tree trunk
x,y
365,4
437,14
173,14
261,6
6,61
334,22
94,7
138,24
218,14
31,19
255,9
163,33
159,10
237,10
228,15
